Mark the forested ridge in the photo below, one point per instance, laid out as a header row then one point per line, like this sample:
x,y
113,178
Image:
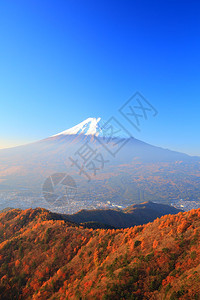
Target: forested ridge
x,y
45,257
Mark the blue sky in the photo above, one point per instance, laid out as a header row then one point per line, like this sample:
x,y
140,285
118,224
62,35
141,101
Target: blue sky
x,y
64,61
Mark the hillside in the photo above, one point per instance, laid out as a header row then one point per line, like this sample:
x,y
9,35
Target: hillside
x,y
136,214
45,258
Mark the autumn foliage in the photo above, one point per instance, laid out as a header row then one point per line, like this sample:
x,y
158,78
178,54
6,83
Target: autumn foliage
x,y
44,257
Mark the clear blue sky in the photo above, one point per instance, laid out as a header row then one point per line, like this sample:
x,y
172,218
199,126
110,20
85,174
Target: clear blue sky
x,y
64,61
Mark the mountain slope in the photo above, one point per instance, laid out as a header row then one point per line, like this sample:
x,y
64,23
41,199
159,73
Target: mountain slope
x,y
41,258
115,173
90,126
136,214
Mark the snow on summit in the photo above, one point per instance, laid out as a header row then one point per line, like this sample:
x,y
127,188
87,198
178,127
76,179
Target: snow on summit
x,y
88,127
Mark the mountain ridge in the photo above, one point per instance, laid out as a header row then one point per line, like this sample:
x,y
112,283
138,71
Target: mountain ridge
x,y
134,215
156,261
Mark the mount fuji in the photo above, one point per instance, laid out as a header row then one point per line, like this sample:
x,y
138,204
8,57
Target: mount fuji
x,y
91,126
108,165
99,132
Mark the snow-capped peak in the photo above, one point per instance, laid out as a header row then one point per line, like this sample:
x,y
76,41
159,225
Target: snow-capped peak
x,y
88,127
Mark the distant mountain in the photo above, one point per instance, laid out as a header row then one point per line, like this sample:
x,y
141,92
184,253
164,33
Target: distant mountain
x,y
45,258
136,214
106,164
91,126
